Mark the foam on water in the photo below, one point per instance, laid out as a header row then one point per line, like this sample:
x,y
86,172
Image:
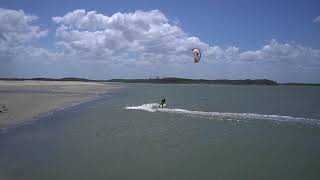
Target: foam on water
x,y
154,107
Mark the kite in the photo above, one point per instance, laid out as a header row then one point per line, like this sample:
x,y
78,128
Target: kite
x,y
196,55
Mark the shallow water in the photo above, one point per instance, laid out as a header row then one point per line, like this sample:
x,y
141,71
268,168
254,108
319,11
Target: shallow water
x,y
206,132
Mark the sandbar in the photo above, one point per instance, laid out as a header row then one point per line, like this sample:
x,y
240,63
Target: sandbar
x,y
23,101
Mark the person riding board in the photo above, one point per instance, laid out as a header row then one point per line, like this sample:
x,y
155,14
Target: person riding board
x,y
163,101
3,109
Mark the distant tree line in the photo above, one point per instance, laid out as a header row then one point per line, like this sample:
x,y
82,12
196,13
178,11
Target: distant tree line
x,y
173,80
198,81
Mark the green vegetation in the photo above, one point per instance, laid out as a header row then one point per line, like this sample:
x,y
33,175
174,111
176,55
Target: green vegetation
x,y
197,81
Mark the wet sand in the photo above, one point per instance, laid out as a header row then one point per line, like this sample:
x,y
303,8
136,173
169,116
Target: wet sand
x,y
27,100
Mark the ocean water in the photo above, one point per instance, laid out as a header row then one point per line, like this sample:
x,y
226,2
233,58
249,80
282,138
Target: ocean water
x,y
205,132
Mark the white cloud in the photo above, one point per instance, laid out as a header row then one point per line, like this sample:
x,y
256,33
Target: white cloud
x,y
16,27
140,44
148,37
16,31
283,52
317,19
138,36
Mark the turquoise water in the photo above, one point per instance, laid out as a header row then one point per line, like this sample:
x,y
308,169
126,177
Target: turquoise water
x,y
206,132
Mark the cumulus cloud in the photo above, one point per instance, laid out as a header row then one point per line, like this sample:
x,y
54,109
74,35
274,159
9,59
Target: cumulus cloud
x,y
139,36
142,44
284,52
146,37
317,19
16,26
16,31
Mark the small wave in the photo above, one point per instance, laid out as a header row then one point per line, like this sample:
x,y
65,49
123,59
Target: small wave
x,y
154,107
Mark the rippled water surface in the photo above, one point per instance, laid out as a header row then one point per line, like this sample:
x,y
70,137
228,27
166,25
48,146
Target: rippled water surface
x,y
205,132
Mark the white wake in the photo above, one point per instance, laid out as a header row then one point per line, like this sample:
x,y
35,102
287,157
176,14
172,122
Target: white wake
x,y
154,107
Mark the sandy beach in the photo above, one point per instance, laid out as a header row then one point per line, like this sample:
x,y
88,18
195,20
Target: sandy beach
x,y
23,101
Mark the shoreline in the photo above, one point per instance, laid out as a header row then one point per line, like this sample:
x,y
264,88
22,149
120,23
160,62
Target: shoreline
x,y
29,101
44,115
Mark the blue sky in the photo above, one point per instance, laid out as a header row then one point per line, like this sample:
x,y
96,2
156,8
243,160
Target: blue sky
x,y
245,23
272,39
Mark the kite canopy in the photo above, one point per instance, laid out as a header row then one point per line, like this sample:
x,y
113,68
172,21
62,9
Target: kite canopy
x,y
196,55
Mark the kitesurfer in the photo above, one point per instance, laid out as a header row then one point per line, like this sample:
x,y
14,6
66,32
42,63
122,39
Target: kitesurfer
x,y
3,108
163,101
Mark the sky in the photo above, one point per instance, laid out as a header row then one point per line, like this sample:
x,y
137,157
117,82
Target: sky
x,y
239,39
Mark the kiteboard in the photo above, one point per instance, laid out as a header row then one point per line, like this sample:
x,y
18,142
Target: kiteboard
x,y
164,106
